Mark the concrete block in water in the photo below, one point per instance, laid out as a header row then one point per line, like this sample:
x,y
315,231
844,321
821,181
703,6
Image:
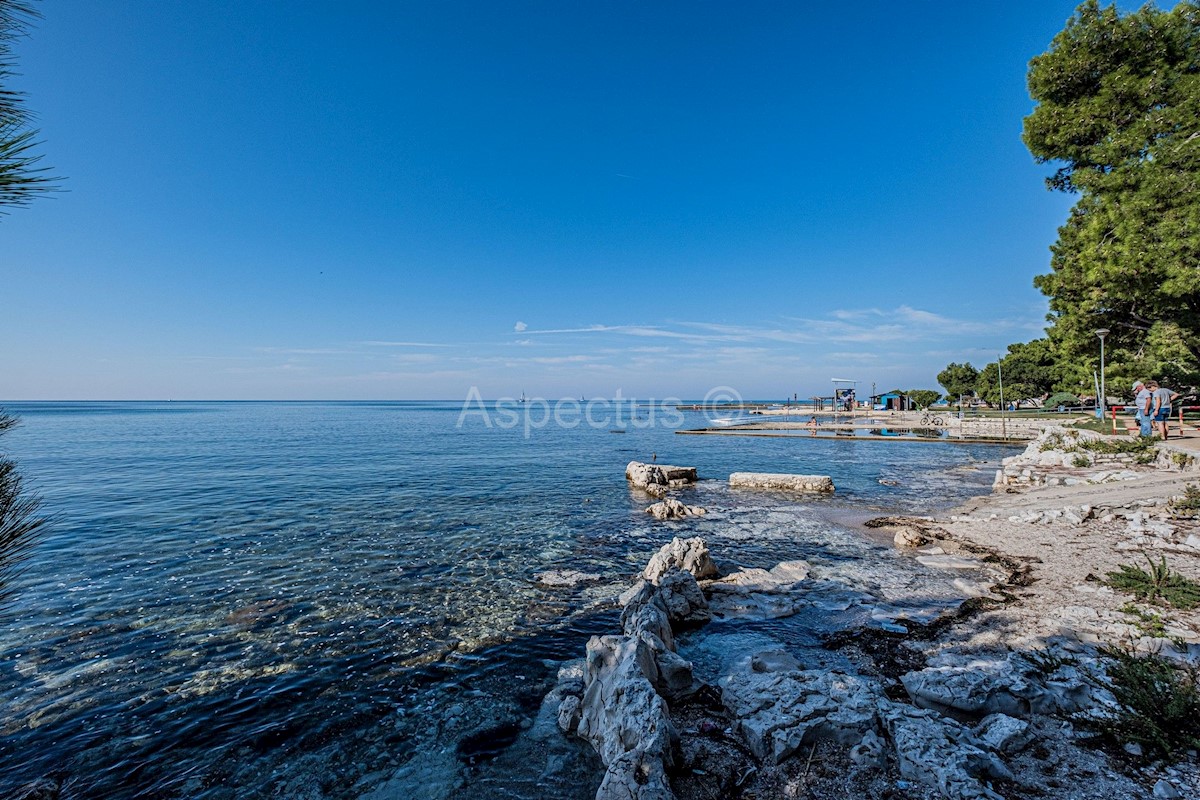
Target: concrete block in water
x,y
774,480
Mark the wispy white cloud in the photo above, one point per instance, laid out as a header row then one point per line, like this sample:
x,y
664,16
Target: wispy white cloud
x,y
377,343
303,351
520,326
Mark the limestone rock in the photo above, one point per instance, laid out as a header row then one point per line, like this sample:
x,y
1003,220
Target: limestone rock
x,y
657,478
772,480
779,711
869,752
569,713
675,678
683,599
686,554
671,508
783,577
645,617
1007,686
938,752
1164,790
761,593
1003,733
910,537
635,775
625,719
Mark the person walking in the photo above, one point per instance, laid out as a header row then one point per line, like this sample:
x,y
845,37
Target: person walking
x,y
1163,398
1144,400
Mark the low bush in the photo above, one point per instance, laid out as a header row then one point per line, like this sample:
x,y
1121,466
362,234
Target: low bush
x,y
1149,623
1118,445
1188,505
1158,702
1160,584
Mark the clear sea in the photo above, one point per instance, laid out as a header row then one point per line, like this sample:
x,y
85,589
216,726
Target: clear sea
x,y
302,600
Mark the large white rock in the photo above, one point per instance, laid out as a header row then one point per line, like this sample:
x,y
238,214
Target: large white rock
x,y
648,615
645,617
690,555
775,480
681,596
626,720
657,478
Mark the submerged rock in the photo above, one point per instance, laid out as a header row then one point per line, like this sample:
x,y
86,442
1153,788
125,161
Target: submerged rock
x,y
774,480
566,577
761,593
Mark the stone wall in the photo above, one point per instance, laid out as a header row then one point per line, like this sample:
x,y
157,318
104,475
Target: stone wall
x,y
994,427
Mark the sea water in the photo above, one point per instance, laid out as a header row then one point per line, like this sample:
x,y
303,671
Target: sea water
x,y
307,599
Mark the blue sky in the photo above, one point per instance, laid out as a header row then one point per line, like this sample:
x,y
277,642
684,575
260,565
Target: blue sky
x,y
287,200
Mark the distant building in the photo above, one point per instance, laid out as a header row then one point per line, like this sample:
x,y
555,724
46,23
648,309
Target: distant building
x,y
892,401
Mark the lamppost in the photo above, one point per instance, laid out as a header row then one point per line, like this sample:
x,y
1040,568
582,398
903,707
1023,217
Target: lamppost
x,y
1103,400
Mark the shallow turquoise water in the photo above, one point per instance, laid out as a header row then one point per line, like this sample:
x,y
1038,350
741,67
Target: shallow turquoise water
x,y
241,599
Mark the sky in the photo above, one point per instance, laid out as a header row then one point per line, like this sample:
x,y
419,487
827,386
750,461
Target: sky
x,y
353,200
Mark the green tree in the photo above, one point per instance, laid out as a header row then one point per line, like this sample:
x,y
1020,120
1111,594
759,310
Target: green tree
x,y
923,398
957,380
1118,112
1029,370
20,523
21,179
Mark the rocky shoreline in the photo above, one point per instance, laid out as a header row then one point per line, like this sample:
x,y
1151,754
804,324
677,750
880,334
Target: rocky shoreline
x,y
991,699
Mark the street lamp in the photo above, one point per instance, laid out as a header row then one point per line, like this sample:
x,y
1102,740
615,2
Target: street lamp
x,y
1103,400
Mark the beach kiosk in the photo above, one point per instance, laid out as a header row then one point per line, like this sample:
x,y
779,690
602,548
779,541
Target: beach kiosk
x,y
892,401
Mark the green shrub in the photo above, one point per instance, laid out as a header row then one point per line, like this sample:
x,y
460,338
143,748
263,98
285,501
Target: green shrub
x,y
1188,505
1051,442
1159,584
1118,445
1047,662
1061,399
1149,623
1158,702
1081,460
